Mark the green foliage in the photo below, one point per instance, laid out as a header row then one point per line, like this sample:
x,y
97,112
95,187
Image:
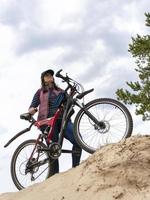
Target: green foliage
x,y
147,19
140,95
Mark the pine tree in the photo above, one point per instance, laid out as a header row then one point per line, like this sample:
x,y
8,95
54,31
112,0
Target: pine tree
x,y
139,93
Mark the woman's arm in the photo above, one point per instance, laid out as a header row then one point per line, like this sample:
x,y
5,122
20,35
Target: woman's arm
x,y
35,103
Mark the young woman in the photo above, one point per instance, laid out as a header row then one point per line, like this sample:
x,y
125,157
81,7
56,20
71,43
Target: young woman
x,y
43,100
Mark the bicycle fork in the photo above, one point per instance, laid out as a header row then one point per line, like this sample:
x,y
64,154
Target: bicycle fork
x,y
98,125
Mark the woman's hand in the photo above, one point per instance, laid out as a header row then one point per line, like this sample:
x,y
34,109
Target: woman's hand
x,y
32,110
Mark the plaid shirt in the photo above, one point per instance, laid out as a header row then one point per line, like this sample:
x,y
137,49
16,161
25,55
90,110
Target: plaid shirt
x,y
46,102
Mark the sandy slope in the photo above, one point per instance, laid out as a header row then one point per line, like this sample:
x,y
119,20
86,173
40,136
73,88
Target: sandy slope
x,y
117,171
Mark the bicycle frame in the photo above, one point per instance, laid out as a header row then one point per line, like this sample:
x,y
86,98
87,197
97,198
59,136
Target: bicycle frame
x,y
49,122
67,111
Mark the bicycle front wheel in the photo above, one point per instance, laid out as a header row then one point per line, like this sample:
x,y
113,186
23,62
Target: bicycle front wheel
x,y
35,173
114,123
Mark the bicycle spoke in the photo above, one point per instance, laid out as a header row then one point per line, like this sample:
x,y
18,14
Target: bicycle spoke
x,y
112,127
36,172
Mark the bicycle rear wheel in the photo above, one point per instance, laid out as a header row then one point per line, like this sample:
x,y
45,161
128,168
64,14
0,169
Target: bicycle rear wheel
x,y
23,177
114,123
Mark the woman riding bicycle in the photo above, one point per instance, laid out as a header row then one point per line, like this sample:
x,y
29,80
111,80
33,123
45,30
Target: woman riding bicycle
x,y
45,98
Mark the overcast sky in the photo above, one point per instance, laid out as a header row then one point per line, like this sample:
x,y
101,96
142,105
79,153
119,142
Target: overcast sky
x,y
88,39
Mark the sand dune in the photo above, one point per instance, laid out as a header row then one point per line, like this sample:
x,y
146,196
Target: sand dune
x,y
117,171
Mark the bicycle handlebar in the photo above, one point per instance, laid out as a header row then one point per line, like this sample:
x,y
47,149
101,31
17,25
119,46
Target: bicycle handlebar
x,y
59,75
66,79
71,83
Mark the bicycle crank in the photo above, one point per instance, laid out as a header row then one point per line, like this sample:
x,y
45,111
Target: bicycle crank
x,y
54,150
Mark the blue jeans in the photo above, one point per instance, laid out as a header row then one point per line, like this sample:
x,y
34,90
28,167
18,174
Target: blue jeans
x,y
69,136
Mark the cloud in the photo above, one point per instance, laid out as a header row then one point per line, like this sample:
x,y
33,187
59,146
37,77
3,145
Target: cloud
x,y
76,34
3,130
86,41
16,13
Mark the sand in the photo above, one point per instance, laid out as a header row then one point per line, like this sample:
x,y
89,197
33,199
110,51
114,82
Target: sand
x,y
116,171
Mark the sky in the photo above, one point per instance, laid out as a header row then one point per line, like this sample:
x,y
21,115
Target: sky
x,y
88,39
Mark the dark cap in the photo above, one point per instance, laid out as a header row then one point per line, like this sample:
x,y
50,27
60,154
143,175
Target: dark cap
x,y
49,71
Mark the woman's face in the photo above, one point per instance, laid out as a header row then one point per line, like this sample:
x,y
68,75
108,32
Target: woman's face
x,y
48,80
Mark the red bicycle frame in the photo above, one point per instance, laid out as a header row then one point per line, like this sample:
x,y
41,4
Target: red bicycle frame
x,y
49,122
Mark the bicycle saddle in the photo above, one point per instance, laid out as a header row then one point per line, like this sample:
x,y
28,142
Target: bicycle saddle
x,y
26,116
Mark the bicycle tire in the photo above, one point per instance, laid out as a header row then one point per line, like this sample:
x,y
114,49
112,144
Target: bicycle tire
x,y
109,124
14,160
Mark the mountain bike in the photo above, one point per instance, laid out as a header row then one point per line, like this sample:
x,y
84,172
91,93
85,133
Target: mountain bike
x,y
97,123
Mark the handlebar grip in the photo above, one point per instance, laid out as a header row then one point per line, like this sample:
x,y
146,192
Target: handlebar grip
x,y
61,76
64,78
58,74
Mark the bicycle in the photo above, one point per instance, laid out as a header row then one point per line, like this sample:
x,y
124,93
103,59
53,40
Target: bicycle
x,y
97,123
